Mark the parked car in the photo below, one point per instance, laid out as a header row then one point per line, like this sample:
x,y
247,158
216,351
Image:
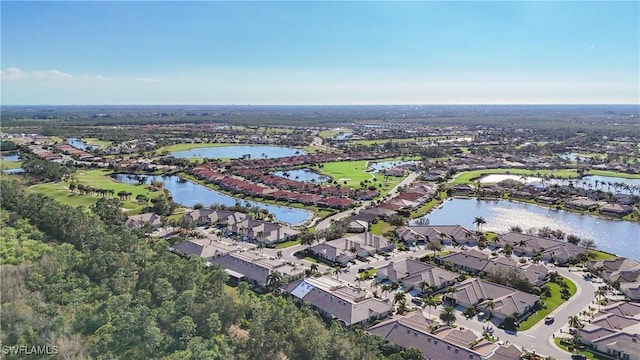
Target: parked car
x,y
578,357
549,319
417,301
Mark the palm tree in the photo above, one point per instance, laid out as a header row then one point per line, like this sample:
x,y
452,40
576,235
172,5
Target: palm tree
x,y
574,321
424,285
490,305
479,221
433,245
386,288
274,280
336,272
600,294
279,254
430,302
400,295
358,280
447,315
314,268
450,290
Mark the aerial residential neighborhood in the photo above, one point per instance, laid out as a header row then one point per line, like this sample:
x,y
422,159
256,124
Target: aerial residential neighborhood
x,y
320,180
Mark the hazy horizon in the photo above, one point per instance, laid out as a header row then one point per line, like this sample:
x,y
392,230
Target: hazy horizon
x,y
320,53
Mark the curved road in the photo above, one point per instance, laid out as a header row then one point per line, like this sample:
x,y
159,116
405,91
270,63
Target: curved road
x,y
539,338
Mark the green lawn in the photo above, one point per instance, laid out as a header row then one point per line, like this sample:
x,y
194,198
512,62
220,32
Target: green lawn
x,y
353,172
97,142
471,176
613,174
599,255
287,244
5,164
367,274
552,303
585,352
99,179
424,209
381,227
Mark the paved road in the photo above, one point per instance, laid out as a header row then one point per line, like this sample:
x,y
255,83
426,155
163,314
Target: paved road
x,y
539,338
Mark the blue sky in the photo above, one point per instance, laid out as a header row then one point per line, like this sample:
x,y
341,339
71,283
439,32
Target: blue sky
x,y
320,52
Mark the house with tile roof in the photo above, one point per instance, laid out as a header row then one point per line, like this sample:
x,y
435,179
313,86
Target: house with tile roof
x,y
411,273
507,301
338,301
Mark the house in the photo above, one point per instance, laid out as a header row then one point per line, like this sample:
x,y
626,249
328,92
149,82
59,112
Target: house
x,y
550,250
476,262
446,234
620,345
617,210
335,300
137,221
620,269
411,273
331,253
255,267
507,301
464,189
208,248
581,203
357,226
631,290
445,343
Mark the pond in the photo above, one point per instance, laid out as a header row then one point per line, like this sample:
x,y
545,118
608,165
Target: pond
x,y
12,157
13,171
614,236
79,144
235,152
593,181
188,193
304,175
384,165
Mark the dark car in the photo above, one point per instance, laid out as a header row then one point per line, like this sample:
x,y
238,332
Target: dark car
x,y
578,357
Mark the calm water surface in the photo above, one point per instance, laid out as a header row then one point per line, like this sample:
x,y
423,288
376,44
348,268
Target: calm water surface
x,y
614,236
188,193
304,175
384,165
13,157
585,182
234,152
79,144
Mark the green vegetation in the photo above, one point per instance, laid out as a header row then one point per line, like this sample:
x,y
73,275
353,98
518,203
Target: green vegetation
x,y
6,164
551,303
353,173
599,255
367,274
287,244
588,354
99,179
97,142
189,146
381,227
613,174
104,291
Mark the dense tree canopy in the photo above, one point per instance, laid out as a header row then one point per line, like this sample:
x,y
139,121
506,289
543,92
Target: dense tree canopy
x,y
98,290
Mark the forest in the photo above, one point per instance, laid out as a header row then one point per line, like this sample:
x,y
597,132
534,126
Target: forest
x,y
97,290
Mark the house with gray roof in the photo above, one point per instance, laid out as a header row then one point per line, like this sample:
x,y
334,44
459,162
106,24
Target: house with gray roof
x,y
507,301
208,248
614,331
331,253
255,267
336,300
343,250
137,221
443,343
411,273
446,234
550,250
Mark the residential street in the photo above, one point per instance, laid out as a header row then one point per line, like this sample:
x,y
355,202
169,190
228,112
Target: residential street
x,y
539,337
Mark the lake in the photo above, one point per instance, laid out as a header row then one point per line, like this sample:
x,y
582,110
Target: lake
x,y
384,165
590,180
235,152
304,175
188,194
614,236
79,144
